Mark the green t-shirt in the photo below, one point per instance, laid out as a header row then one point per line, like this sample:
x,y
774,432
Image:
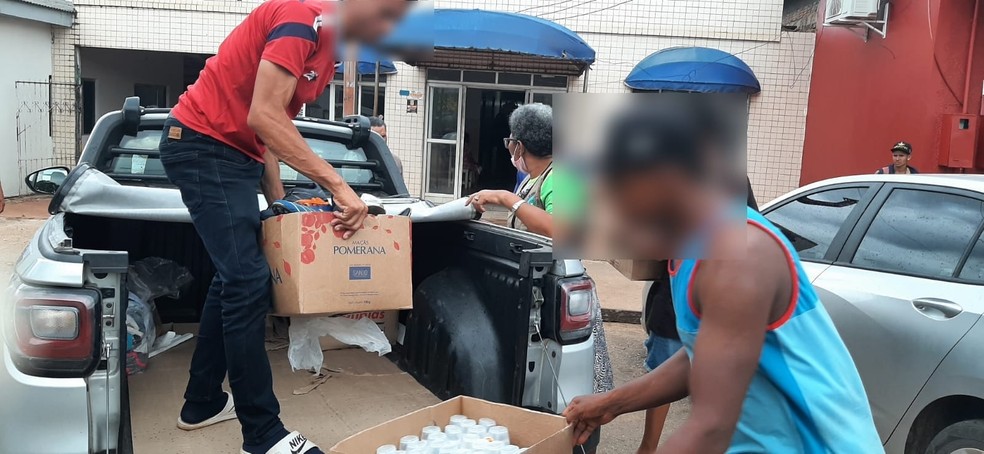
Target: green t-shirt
x,y
571,193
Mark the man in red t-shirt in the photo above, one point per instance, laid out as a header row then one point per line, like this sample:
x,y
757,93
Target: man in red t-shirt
x,y
225,139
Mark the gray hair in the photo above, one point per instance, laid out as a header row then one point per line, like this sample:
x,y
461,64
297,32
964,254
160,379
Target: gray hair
x,y
532,124
376,122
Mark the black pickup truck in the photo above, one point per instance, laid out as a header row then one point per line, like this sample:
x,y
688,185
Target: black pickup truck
x,y
495,316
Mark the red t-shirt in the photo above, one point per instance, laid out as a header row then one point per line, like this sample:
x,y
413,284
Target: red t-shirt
x,y
289,33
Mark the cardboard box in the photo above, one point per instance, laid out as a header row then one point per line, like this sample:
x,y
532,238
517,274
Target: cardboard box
x,y
640,270
542,433
386,320
316,272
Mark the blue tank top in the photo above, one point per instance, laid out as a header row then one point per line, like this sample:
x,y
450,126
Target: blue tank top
x,y
806,395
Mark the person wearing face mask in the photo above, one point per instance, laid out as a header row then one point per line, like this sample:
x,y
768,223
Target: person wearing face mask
x,y
530,146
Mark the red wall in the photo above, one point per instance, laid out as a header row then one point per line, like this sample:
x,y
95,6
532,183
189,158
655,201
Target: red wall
x,y
865,97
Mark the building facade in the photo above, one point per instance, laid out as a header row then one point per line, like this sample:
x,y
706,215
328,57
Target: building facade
x,y
915,85
154,48
26,89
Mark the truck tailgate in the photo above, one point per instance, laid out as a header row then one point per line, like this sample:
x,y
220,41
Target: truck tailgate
x,y
369,390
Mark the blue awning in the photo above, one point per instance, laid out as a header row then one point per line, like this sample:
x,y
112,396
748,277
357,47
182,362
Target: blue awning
x,y
697,69
367,62
454,31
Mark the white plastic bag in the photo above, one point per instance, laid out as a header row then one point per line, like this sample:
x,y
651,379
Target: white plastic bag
x,y
305,352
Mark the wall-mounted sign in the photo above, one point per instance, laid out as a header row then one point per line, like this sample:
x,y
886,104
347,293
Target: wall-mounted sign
x,y
404,92
417,95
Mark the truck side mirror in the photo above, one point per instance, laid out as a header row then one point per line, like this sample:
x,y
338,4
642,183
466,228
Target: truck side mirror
x,y
47,181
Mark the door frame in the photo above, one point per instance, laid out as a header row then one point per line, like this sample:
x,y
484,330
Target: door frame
x,y
428,141
459,142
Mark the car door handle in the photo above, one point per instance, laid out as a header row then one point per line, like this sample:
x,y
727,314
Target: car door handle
x,y
936,308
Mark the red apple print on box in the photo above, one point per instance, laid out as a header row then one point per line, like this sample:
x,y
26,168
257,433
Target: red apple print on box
x,y
312,226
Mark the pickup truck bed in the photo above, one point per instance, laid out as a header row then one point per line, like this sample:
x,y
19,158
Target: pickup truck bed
x,y
495,316
368,391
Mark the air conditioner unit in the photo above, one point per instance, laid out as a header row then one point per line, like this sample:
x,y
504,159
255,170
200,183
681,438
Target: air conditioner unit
x,y
845,12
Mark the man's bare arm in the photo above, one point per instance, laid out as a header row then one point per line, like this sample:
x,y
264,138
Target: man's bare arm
x,y
272,94
273,188
736,299
667,383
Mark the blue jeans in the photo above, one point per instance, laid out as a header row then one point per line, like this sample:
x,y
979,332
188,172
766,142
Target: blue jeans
x,y
219,186
659,349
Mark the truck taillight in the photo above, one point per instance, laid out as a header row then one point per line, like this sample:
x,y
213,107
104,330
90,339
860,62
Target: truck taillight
x,y
55,332
577,300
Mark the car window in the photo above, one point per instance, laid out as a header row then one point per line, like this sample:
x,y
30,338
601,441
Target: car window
x,y
811,221
137,156
332,151
973,270
920,232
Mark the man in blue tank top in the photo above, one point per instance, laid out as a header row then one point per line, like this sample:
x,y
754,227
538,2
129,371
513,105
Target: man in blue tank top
x,y
764,367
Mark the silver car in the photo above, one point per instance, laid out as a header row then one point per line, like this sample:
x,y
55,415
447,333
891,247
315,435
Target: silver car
x,y
898,261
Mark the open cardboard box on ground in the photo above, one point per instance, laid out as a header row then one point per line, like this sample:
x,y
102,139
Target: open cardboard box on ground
x,y
639,270
542,433
316,272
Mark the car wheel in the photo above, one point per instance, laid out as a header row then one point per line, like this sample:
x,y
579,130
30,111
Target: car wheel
x,y
964,437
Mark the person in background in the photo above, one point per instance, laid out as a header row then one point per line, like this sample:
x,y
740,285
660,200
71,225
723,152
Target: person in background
x,y
762,362
901,154
223,141
664,342
530,145
2,202
378,126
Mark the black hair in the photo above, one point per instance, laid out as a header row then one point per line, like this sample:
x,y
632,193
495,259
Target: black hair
x,y
376,122
684,131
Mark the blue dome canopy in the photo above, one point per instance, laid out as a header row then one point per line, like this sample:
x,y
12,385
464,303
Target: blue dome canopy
x,y
496,31
697,69
367,61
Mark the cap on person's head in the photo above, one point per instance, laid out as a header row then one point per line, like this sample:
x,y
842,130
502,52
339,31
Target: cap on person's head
x,y
904,147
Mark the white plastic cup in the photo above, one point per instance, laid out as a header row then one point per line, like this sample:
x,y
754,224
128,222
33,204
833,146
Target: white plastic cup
x,y
437,436
416,445
477,430
500,433
487,422
426,431
386,449
407,439
468,438
468,422
456,420
454,432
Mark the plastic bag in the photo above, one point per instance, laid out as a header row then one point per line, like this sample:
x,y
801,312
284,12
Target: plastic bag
x,y
154,277
305,352
141,328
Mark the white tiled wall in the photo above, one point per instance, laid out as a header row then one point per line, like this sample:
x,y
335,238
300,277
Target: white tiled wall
x,y
621,32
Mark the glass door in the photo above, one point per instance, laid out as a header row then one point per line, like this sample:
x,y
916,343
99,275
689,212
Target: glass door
x,y
442,162
545,97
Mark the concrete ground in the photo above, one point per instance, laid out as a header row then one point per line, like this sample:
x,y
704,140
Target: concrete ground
x,y
336,412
